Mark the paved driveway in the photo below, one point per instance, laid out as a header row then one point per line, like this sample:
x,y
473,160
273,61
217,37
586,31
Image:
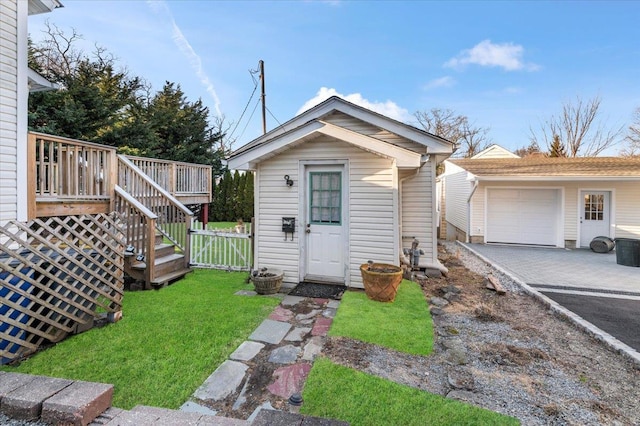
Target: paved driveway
x,y
589,284
560,269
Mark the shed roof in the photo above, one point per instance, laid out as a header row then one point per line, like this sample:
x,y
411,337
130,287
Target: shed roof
x,y
310,124
546,167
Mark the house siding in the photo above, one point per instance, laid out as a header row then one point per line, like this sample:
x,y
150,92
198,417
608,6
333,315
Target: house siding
x,y
372,221
457,189
355,125
9,103
417,212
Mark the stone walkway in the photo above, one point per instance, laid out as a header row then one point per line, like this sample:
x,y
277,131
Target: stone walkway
x,y
277,358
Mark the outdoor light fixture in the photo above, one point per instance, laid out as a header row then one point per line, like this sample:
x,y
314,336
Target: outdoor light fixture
x,y
295,401
288,181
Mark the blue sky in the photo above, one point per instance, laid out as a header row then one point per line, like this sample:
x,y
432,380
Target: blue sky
x,y
506,65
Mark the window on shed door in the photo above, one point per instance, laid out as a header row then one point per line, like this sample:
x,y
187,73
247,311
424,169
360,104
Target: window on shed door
x,y
594,207
325,201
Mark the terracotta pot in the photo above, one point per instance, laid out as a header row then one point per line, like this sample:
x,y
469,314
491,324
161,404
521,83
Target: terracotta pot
x,y
381,281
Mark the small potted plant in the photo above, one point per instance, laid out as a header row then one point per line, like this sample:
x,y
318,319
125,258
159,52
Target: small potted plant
x,y
381,280
267,280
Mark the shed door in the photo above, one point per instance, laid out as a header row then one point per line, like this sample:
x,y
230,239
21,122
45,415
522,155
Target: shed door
x,y
325,230
594,216
523,216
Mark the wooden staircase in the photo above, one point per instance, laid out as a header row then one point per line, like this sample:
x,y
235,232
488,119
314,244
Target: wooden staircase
x,y
169,264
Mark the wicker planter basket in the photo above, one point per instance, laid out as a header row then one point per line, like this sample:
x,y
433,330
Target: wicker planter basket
x,y
268,281
381,281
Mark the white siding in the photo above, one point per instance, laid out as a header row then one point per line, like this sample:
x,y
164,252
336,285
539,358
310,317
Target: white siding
x,y
418,212
457,189
356,125
372,219
8,109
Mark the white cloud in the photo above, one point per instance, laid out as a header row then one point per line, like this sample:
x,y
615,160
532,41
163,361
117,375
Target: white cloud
x,y
446,81
160,6
388,108
487,54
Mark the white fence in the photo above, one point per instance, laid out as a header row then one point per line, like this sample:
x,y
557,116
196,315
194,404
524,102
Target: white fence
x,y
220,249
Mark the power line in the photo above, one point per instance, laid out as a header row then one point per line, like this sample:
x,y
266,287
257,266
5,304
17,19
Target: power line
x,y
250,117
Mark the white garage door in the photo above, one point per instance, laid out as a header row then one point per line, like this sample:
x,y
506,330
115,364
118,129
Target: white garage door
x,y
522,216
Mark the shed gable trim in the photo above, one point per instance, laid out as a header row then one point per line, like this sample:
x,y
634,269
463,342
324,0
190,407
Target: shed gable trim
x,y
249,159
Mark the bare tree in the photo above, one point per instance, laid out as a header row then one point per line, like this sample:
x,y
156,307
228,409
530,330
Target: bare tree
x,y
526,151
578,129
455,128
633,138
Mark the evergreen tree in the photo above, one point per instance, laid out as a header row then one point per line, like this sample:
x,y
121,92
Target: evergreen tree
x,y
247,212
557,148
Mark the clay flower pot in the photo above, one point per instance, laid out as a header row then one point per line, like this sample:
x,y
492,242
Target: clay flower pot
x,y
381,281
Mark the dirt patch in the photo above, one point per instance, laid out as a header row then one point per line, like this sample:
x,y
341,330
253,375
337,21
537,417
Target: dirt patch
x,y
507,353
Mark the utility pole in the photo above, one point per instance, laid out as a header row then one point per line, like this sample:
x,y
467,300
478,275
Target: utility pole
x,y
264,101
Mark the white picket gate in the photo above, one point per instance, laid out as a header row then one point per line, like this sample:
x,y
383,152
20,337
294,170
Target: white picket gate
x,y
220,249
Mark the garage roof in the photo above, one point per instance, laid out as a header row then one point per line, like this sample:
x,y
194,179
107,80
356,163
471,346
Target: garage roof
x,y
544,167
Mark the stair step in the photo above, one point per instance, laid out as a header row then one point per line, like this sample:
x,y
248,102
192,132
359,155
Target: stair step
x,y
143,415
163,250
172,276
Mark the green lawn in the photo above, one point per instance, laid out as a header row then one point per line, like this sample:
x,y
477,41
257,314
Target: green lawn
x,y
342,393
404,325
167,343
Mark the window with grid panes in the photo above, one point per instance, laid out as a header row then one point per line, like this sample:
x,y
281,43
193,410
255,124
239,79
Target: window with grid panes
x,y
325,201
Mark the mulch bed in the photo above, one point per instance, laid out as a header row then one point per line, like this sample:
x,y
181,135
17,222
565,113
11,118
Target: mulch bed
x,y
321,291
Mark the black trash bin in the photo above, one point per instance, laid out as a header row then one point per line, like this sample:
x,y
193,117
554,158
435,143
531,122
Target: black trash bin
x,y
627,252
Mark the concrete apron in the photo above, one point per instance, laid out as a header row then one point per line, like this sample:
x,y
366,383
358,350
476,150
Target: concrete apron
x,y
615,344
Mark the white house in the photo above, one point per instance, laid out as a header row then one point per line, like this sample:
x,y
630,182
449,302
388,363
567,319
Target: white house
x,y
559,202
360,186
16,79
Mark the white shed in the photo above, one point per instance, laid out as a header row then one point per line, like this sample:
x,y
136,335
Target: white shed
x,y
359,185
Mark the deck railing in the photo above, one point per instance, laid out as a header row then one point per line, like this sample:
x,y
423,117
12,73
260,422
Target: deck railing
x,y
176,177
173,218
63,170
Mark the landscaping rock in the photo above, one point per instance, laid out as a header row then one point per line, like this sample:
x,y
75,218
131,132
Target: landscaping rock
x,y
289,380
438,301
461,379
310,315
281,314
436,311
321,326
284,355
312,348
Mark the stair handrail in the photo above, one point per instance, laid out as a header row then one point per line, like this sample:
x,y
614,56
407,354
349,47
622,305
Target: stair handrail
x,y
174,225
139,231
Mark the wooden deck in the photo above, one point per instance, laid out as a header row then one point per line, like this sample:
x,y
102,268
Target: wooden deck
x,y
71,177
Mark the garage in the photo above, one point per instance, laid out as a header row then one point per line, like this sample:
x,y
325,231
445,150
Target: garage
x,y
523,216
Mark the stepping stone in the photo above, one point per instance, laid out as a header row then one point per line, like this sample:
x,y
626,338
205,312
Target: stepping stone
x,y
306,322
329,313
194,407
285,355
12,381
245,293
313,348
333,304
265,406
246,351
281,314
321,327
270,331
291,300
297,334
289,379
310,315
321,302
222,382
